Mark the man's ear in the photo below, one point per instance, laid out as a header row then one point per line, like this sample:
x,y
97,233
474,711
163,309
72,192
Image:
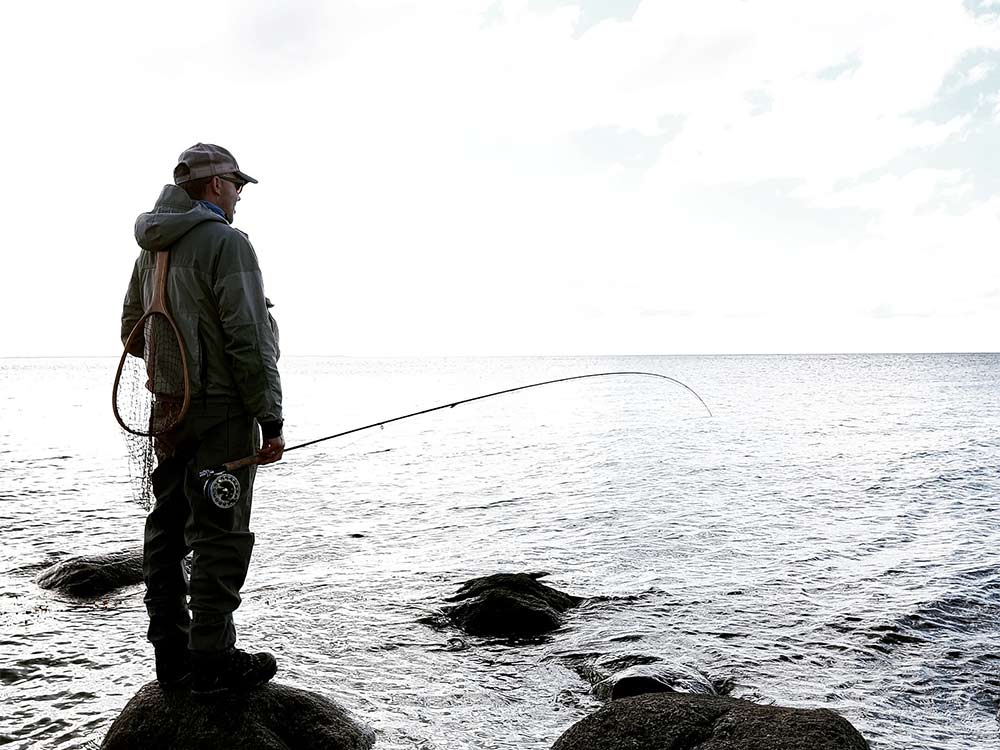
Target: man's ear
x,y
214,186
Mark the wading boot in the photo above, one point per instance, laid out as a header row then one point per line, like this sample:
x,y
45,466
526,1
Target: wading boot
x,y
230,671
173,666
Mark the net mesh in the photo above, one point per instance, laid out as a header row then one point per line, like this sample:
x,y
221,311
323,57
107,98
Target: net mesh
x,y
140,468
149,398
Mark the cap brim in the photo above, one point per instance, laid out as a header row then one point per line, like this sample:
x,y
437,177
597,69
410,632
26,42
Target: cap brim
x,y
245,177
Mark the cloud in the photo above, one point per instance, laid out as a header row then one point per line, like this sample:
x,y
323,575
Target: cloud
x,y
894,195
612,145
850,64
294,33
987,9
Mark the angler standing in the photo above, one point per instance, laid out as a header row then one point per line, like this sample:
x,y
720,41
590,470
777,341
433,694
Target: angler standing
x,y
216,297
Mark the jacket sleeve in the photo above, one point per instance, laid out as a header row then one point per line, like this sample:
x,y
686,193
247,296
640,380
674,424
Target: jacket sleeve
x,y
249,340
132,310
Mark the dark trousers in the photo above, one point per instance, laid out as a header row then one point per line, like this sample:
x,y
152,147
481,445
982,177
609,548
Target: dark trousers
x,y
183,519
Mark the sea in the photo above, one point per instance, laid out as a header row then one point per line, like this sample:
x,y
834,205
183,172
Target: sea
x,y
828,537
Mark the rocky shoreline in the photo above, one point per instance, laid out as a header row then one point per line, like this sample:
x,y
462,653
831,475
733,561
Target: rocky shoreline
x,y
648,703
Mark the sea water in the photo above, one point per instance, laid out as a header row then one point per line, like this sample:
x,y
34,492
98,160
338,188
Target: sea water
x,y
829,537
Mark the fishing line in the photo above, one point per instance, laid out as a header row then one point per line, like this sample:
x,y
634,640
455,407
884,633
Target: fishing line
x,y
341,452
224,489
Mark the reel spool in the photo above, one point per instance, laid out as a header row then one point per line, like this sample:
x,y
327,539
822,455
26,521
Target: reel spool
x,y
222,488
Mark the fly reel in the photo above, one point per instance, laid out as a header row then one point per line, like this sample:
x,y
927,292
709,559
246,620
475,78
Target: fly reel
x,y
221,487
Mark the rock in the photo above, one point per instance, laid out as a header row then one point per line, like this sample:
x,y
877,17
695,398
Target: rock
x,y
513,605
685,722
654,678
94,575
623,676
273,717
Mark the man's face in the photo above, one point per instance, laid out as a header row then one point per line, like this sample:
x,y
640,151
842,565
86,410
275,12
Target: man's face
x,y
230,185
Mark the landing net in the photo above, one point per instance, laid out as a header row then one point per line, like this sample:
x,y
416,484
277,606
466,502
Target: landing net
x,y
150,399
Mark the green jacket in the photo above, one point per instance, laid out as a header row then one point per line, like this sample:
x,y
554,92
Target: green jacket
x,y
215,295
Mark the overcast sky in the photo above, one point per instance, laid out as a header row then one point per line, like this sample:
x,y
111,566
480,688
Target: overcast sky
x,y
523,176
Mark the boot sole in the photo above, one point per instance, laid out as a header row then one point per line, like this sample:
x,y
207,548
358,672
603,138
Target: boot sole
x,y
181,683
209,695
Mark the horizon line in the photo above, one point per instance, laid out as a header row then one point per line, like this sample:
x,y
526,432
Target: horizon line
x,y
548,356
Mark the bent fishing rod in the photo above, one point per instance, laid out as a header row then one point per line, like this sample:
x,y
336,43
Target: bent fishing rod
x,y
224,489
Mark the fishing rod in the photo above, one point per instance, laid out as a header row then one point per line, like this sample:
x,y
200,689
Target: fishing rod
x,y
224,489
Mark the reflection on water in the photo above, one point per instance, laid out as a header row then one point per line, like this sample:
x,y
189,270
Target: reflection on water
x,y
827,539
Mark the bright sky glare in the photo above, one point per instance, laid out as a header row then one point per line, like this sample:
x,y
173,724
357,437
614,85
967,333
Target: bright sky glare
x,y
453,177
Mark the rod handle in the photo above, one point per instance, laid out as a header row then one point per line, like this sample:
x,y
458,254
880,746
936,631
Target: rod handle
x,y
240,463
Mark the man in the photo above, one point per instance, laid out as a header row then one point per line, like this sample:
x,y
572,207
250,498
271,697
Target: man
x,y
216,297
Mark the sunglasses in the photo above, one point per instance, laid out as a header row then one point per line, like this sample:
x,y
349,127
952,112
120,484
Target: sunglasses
x,y
235,180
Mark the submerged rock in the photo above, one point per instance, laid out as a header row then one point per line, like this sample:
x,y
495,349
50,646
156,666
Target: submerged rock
x,y
685,722
510,605
273,717
94,575
626,675
643,679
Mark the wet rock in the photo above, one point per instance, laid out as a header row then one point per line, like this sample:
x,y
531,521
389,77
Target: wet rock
x,y
624,676
94,575
274,717
513,605
655,678
685,722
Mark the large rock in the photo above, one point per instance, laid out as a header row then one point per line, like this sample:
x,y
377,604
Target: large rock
x,y
672,721
95,574
513,605
273,717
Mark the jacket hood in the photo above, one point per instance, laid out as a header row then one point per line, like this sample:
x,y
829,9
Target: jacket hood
x,y
173,216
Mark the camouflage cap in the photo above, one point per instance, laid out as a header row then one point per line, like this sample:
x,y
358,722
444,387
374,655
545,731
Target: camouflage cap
x,y
206,160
